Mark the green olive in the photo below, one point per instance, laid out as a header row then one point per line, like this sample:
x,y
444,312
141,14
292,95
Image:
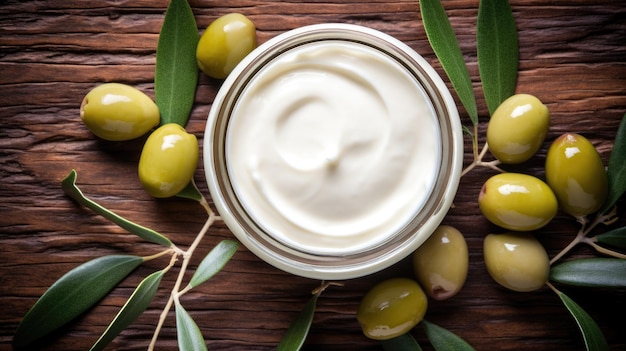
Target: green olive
x,y
517,128
576,174
392,308
517,201
224,43
516,261
440,264
114,111
168,160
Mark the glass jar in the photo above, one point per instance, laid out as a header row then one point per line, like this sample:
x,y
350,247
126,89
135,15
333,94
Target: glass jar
x,y
251,219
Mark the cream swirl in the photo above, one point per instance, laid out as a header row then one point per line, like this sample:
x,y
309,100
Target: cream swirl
x,y
333,147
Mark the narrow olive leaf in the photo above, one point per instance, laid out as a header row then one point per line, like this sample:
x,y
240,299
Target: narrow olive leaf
x,y
497,49
404,342
467,131
189,335
176,73
615,238
296,334
591,272
71,295
133,308
443,339
446,46
213,262
191,192
617,168
594,339
69,187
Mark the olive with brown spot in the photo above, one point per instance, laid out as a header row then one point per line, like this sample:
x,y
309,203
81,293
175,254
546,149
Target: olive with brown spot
x,y
441,263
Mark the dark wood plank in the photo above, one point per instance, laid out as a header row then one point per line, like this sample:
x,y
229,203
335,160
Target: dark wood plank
x,y
572,56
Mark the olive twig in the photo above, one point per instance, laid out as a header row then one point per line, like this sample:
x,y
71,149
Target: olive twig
x,y
610,217
468,168
176,292
172,250
493,165
206,206
475,153
583,220
578,239
161,321
603,250
478,160
585,229
483,152
199,196
208,209
556,291
320,289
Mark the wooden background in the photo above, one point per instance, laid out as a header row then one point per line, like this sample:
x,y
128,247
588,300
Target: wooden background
x,y
572,56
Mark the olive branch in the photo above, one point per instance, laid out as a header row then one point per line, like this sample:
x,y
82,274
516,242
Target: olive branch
x,y
85,285
496,37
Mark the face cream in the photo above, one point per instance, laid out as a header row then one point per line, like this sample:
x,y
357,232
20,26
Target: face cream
x,y
333,151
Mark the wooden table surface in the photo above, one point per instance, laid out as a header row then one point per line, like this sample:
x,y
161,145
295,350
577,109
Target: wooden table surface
x,y
572,56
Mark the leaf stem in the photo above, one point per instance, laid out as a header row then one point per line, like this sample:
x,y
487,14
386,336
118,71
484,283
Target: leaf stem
x,y
157,255
603,250
610,217
475,142
556,291
206,206
320,289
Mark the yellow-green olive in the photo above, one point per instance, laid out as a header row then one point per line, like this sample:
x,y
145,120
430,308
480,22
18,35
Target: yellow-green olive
x,y
168,160
517,201
224,43
576,174
114,111
517,128
516,261
392,308
440,264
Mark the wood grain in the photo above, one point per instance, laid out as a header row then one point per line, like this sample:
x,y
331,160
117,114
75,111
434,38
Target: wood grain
x,y
572,56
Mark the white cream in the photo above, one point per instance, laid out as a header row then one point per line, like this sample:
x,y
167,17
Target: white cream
x,y
333,147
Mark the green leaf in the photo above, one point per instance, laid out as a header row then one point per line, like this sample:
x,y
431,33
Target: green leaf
x,y
615,238
617,168
213,262
443,339
69,187
467,131
133,308
176,74
592,272
296,334
404,342
191,192
446,46
189,335
71,295
594,339
497,49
